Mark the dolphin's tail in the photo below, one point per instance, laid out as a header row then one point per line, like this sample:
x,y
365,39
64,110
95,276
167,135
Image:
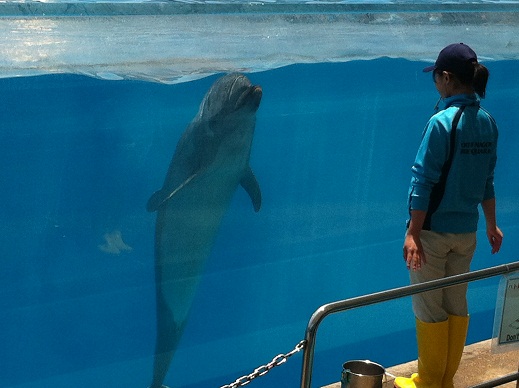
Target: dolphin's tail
x,y
168,336
160,368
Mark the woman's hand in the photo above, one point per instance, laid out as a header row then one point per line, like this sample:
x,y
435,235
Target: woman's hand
x,y
494,234
495,238
414,255
413,252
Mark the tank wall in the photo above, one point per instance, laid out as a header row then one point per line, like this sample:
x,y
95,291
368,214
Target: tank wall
x,y
332,151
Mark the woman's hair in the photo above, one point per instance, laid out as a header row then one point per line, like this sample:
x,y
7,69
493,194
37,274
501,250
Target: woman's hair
x,y
480,79
475,75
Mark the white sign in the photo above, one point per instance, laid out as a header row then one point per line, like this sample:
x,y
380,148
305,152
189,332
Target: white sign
x,y
506,324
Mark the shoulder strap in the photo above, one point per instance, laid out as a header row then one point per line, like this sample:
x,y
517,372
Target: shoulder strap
x,y
438,190
452,148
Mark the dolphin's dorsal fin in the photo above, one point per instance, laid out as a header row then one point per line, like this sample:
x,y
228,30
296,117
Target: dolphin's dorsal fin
x,y
251,186
158,198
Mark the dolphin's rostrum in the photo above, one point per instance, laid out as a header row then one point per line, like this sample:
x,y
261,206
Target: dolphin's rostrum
x,y
210,161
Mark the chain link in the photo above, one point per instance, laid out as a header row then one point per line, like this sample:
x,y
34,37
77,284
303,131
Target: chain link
x,y
264,369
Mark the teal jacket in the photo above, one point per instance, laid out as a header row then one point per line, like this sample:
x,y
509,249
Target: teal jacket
x,y
471,177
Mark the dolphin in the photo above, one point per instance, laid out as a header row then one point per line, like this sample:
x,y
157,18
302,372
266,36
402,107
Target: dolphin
x,y
210,161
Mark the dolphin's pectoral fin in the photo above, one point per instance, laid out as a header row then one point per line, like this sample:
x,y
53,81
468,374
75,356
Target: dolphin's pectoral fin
x,y
251,186
158,198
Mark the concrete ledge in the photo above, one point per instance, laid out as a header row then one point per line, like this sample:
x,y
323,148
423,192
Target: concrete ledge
x,y
478,365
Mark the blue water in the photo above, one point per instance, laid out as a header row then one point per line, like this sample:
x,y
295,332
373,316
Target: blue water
x,y
332,152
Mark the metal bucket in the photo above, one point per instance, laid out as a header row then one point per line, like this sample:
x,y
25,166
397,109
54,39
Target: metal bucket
x,y
362,374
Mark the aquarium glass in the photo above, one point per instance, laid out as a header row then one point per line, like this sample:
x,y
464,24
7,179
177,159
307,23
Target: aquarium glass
x,y
95,97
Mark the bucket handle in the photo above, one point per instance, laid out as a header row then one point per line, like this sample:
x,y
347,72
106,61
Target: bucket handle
x,y
348,373
386,373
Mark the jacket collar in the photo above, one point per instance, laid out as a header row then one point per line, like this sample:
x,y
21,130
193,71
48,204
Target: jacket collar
x,y
459,100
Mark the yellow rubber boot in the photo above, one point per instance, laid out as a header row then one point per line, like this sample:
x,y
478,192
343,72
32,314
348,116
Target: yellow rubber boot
x,y
432,356
458,327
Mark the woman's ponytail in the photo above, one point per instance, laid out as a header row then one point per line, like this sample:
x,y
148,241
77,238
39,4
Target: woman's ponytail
x,y
480,79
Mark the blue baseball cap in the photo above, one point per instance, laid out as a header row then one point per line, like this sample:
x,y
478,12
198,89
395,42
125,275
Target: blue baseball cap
x,y
456,58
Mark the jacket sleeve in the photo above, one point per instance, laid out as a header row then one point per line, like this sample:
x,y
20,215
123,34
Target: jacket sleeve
x,y
427,167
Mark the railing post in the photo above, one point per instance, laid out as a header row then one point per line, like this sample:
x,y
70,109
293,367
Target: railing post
x,y
327,309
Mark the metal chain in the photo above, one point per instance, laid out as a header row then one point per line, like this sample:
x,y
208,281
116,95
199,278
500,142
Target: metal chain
x,y
264,369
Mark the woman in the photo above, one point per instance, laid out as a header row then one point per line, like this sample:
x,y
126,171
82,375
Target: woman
x,y
453,173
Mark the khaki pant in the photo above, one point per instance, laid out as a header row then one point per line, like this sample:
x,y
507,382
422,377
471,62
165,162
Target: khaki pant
x,y
446,254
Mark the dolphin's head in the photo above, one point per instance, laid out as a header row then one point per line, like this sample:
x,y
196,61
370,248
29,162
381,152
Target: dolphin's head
x,y
231,94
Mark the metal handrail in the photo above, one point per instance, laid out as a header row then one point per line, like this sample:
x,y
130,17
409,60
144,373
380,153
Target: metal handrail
x,y
365,300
